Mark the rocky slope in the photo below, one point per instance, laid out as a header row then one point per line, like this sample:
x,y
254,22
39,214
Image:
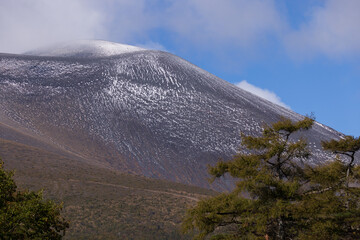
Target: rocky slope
x,y
134,110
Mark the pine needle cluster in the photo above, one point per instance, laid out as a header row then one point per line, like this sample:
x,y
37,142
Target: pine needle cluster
x,y
279,194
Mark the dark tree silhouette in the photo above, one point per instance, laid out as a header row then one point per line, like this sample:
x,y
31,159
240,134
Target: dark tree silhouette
x,y
25,214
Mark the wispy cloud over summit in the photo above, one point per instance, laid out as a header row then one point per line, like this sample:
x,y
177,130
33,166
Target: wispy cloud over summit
x,y
239,25
26,25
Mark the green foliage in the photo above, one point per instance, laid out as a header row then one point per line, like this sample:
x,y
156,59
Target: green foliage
x,y
333,204
26,215
279,195
347,145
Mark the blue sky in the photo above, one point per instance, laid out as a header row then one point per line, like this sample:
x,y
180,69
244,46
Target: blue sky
x,y
304,54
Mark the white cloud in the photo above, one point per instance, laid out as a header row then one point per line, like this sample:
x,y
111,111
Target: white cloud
x,y
26,25
211,22
129,21
263,93
241,26
152,46
332,30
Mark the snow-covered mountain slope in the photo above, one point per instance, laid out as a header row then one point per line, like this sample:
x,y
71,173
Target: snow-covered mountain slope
x,y
146,112
85,49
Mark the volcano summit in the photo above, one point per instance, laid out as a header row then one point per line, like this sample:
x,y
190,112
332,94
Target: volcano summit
x,y
135,110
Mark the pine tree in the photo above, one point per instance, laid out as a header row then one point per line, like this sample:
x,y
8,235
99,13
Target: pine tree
x,y
25,214
334,195
347,147
278,195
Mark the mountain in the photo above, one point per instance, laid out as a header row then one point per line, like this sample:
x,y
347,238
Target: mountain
x,y
138,111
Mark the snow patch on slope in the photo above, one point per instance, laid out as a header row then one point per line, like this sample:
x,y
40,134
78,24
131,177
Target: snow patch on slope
x,y
85,48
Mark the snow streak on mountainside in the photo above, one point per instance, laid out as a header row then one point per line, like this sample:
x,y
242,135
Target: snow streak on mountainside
x,y
146,112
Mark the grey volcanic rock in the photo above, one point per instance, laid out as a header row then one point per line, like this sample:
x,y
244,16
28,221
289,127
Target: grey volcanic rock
x,y
145,112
